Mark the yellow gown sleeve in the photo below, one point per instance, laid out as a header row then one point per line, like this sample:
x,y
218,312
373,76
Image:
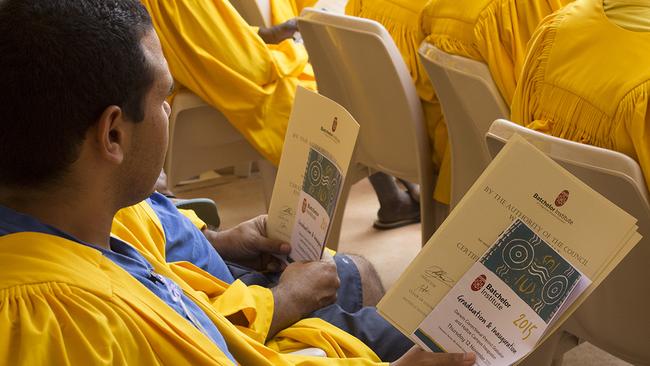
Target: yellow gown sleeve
x,y
213,52
248,308
502,33
57,324
194,218
139,226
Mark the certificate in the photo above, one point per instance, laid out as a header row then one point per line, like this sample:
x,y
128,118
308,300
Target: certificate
x,y
503,305
317,151
521,183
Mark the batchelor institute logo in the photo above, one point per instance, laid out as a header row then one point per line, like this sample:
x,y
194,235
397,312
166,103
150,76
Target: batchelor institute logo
x,y
562,198
479,282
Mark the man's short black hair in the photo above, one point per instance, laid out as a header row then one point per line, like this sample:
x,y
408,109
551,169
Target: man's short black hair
x,y
62,63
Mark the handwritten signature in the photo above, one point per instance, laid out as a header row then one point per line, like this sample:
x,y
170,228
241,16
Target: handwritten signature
x,y
437,273
423,289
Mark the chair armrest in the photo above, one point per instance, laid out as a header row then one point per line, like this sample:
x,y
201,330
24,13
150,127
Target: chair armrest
x,y
204,208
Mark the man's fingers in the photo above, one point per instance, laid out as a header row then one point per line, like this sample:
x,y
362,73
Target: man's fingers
x,y
461,359
291,24
273,264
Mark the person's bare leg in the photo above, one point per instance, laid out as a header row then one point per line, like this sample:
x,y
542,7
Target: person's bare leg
x,y
396,207
372,288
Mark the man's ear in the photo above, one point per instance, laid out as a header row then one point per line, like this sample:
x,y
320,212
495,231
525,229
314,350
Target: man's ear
x,y
111,134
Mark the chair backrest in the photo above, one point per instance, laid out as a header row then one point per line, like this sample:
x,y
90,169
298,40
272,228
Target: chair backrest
x,y
201,139
358,65
615,317
470,102
256,12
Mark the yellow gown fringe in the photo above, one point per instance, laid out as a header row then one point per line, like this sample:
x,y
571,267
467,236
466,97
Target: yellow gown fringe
x,y
495,32
583,80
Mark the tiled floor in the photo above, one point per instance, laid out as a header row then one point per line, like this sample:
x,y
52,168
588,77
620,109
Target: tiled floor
x,y
390,251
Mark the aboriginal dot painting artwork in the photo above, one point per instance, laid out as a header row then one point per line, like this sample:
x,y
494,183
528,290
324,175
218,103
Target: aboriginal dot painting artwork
x,y
532,269
322,180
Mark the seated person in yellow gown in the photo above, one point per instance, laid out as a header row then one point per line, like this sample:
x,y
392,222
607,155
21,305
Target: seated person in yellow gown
x,y
491,31
213,52
242,252
586,77
84,136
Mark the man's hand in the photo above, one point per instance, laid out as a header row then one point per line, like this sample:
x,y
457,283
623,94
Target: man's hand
x,y
418,357
248,245
278,33
303,288
309,285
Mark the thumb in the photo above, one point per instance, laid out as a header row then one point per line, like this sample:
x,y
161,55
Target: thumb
x,y
272,246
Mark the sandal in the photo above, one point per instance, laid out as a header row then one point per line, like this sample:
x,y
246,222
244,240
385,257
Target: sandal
x,y
387,225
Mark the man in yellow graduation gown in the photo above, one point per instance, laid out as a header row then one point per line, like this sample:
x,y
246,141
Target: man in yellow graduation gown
x,y
84,135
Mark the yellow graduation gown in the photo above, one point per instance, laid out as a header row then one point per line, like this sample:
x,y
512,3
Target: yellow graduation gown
x,y
401,20
492,31
66,304
250,308
62,303
214,53
283,10
584,79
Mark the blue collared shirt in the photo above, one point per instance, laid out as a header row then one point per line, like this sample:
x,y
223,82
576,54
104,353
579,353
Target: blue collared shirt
x,y
184,242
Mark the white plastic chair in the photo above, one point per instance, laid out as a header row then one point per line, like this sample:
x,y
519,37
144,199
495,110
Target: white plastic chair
x,y
615,317
255,12
470,102
358,65
202,139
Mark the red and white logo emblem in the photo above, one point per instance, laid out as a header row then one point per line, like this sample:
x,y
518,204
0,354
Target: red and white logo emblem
x,y
562,198
335,123
478,283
